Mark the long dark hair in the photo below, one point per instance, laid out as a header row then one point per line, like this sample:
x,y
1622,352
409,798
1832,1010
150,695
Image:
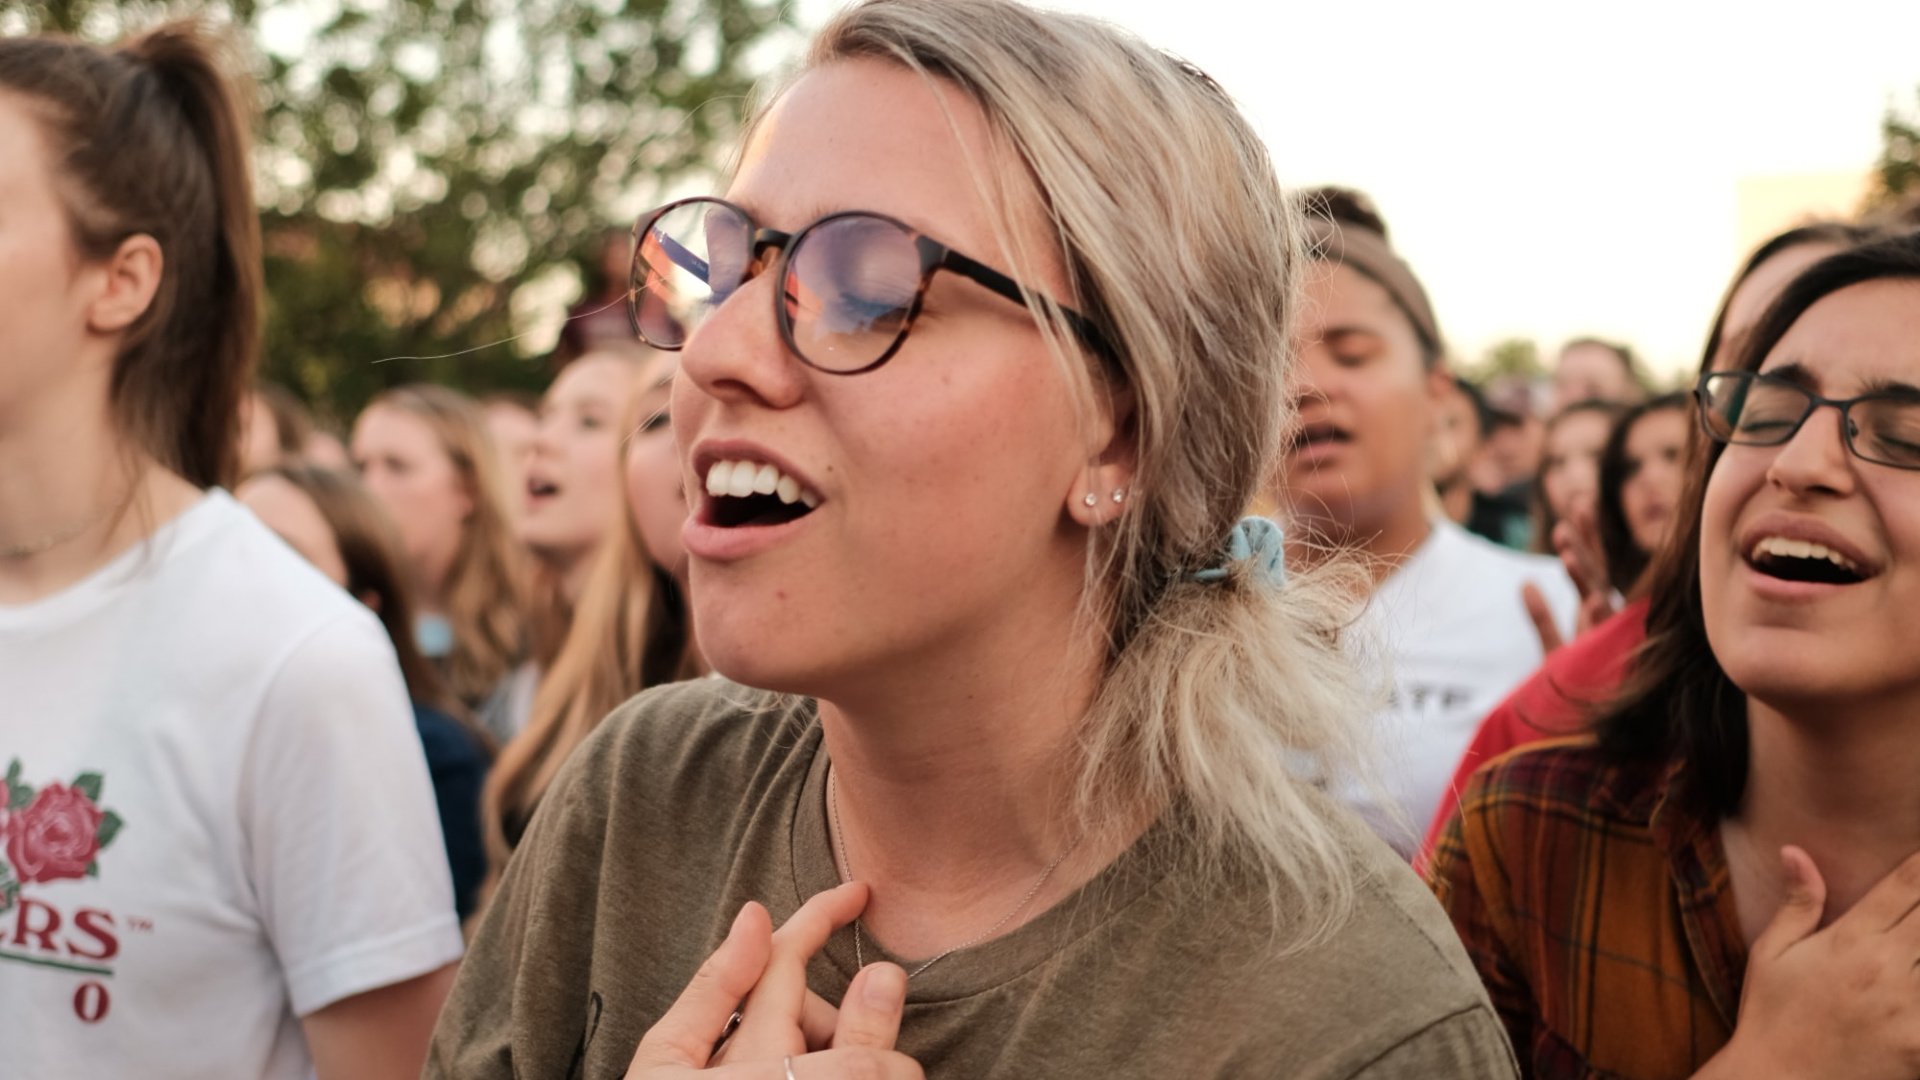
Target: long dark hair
x,y
1678,700
1626,562
150,138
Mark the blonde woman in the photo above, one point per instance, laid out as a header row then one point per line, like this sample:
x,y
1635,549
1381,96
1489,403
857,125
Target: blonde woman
x,y
424,452
631,630
1042,707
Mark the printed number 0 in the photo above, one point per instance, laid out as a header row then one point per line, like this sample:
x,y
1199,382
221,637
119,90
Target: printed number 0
x,y
90,1002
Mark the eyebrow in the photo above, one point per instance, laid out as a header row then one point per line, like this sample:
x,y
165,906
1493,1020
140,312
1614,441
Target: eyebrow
x,y
1799,375
1334,333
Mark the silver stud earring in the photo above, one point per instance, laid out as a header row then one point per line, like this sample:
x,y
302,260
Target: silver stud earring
x,y
1090,500
1119,495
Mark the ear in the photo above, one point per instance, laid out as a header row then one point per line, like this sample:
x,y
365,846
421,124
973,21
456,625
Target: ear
x,y
131,278
1108,474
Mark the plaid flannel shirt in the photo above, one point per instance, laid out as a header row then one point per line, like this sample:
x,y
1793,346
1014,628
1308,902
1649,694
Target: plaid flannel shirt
x,y
1597,909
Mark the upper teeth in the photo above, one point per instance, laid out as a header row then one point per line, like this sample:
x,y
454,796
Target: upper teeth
x,y
743,478
1802,549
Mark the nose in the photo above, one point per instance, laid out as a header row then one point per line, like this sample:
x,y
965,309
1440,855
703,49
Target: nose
x,y
1816,459
737,354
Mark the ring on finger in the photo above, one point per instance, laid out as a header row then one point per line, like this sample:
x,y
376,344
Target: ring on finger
x,y
789,1064
726,1032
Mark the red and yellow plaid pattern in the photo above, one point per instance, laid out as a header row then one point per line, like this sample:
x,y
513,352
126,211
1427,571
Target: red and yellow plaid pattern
x,y
1595,904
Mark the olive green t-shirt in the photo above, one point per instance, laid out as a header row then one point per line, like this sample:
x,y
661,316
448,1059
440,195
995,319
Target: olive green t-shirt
x,y
686,803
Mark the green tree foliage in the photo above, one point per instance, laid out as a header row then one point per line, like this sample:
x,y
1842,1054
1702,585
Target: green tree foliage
x,y
1512,357
1897,173
432,171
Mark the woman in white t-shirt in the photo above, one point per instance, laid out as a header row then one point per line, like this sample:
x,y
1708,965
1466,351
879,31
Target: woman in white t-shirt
x,y
220,850
1446,623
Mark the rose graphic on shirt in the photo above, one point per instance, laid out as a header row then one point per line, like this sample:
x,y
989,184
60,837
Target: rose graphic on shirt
x,y
54,833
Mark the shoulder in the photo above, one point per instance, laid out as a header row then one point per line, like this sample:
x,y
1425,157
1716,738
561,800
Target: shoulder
x,y
1538,812
1487,557
244,586
1391,990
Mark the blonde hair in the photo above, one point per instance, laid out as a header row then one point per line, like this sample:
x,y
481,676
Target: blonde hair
x,y
1231,700
630,631
485,587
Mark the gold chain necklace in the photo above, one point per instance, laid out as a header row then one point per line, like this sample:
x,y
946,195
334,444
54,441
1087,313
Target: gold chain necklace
x,y
846,874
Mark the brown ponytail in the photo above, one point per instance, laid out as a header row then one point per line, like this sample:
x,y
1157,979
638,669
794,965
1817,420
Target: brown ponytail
x,y
151,137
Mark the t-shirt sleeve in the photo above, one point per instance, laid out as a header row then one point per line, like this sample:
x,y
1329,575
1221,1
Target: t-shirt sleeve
x,y
343,844
1468,1043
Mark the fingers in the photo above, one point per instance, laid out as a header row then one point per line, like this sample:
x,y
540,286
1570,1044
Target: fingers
x,y
817,1021
1800,914
1542,615
685,1034
870,1013
774,1009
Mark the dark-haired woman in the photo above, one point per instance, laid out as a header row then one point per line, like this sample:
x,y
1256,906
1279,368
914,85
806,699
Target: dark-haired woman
x,y
1576,678
328,517
1722,882
220,856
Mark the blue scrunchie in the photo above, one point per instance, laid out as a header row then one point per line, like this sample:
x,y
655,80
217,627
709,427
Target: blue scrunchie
x,y
1257,540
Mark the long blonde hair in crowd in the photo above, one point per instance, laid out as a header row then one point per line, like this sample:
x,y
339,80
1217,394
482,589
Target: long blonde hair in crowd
x,y
1230,699
630,631
485,588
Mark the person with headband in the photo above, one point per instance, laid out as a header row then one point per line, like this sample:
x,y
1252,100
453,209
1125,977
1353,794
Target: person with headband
x,y
983,354
1444,619
219,855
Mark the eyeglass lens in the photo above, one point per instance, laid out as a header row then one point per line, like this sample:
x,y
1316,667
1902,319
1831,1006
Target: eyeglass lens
x,y
1751,410
851,285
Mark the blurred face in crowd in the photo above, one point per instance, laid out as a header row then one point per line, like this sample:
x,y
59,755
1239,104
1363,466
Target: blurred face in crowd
x,y
1656,469
655,497
513,430
1793,625
1750,300
572,484
931,492
407,468
1570,469
1589,372
1457,448
292,514
1368,413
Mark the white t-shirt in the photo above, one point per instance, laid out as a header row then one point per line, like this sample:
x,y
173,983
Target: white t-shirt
x,y
219,816
1451,636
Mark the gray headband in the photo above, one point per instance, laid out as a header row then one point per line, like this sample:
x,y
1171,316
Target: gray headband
x,y
1366,251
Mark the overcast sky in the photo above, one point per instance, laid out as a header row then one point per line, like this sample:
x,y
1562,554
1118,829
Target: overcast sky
x,y
1551,170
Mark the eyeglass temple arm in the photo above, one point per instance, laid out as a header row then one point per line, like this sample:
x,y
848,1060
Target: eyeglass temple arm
x,y
1084,328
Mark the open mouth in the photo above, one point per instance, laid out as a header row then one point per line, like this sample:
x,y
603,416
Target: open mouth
x,y
540,488
1315,435
1804,560
743,494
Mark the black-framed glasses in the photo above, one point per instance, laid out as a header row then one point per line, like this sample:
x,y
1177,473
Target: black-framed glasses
x,y
852,283
1745,408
